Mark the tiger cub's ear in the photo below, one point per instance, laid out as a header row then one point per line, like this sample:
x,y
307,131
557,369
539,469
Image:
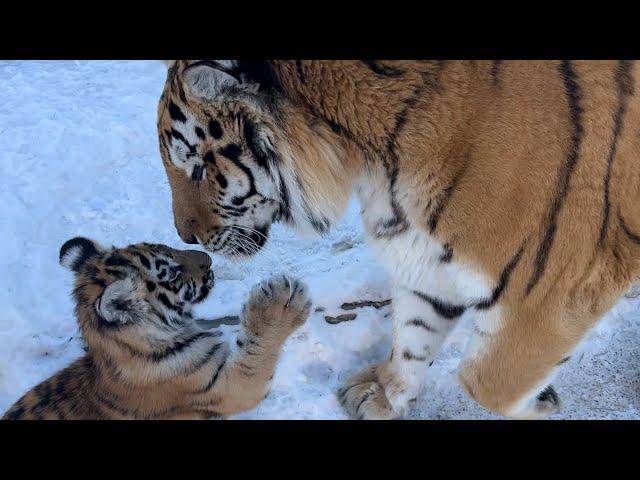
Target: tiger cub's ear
x,y
75,252
121,302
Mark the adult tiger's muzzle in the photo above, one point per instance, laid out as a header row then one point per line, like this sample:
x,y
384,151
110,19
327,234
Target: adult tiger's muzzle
x,y
237,240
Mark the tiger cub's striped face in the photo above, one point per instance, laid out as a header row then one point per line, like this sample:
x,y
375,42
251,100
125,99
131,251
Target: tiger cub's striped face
x,y
144,286
224,190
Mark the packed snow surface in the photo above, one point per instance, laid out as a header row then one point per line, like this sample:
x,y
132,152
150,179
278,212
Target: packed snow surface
x,y
79,156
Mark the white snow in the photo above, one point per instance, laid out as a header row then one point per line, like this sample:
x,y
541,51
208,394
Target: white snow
x,y
80,157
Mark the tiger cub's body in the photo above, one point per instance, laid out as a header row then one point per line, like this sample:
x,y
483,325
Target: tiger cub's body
x,y
508,188
147,357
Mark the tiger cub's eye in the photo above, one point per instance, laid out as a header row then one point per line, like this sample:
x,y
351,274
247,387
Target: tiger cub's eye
x,y
174,273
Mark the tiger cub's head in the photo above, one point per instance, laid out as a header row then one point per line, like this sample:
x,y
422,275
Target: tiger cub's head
x,y
140,295
240,155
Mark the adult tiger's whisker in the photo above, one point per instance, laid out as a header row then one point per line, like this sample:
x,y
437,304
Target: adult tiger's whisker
x,y
249,243
251,230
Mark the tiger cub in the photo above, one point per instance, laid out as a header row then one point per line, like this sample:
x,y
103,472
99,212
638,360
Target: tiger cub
x,y
147,357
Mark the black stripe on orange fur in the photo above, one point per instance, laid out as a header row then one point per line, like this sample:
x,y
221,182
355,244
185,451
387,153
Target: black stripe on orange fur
x,y
625,89
442,308
502,282
634,237
573,94
382,70
496,66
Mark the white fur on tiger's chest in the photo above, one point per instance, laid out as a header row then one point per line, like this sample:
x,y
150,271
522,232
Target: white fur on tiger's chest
x,y
416,260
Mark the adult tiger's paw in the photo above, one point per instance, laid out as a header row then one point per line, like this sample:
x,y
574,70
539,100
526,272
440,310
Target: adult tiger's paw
x,y
363,397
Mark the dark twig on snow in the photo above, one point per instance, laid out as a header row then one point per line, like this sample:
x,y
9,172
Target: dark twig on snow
x,y
216,322
365,303
345,317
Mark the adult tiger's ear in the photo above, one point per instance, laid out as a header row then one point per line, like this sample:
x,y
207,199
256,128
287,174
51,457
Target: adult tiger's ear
x,y
121,302
209,78
75,252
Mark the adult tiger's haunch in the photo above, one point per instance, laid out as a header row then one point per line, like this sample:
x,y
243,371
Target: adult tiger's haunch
x,y
509,188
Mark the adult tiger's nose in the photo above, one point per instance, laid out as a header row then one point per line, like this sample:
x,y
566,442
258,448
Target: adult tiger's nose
x,y
187,237
185,230
190,239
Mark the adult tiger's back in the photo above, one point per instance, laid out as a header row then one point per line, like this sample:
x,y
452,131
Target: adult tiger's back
x,y
510,188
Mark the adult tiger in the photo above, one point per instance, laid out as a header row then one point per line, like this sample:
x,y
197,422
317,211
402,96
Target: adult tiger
x,y
509,188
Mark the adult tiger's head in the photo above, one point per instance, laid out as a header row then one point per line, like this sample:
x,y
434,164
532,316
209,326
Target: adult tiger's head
x,y
139,297
240,155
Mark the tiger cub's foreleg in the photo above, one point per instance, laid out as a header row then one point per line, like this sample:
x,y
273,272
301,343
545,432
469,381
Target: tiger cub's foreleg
x,y
419,329
274,310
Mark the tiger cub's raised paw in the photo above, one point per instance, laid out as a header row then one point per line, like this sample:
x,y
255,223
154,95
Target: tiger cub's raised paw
x,y
277,306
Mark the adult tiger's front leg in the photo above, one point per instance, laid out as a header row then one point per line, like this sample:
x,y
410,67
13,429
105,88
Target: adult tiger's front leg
x,y
420,325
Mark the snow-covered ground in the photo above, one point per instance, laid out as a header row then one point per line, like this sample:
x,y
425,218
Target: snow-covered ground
x,y
79,156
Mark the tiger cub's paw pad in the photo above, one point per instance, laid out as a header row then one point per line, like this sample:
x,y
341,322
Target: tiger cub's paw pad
x,y
279,302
